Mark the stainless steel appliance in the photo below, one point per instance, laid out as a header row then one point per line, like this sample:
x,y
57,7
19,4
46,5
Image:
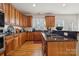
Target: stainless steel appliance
x,y
2,41
2,23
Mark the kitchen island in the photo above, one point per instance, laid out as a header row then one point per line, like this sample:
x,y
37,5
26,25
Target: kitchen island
x,y
58,46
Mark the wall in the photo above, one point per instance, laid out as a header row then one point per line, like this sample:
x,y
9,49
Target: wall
x,y
70,21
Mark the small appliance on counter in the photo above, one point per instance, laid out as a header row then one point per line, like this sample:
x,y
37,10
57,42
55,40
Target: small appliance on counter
x,y
9,30
22,29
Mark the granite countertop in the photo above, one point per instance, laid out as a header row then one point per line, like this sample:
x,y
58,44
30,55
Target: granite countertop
x,y
56,38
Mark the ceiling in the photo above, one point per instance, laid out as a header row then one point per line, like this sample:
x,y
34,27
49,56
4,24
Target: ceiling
x,y
48,8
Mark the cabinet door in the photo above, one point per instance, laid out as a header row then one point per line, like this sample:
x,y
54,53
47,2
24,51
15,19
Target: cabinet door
x,y
12,15
52,49
17,17
61,50
6,8
29,21
50,21
21,22
25,21
37,36
9,45
16,42
1,6
30,36
47,21
27,36
70,48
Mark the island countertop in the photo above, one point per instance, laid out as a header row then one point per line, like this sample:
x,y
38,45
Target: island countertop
x,y
58,46
56,38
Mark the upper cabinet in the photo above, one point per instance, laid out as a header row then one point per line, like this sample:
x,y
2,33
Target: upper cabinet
x,y
50,21
29,21
17,17
6,9
12,15
1,6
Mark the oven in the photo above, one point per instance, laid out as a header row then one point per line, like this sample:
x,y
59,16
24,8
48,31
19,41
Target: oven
x,y
2,41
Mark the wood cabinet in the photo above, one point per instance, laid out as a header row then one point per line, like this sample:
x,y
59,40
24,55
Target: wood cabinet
x,y
6,9
30,36
2,54
9,44
17,17
21,18
12,15
66,48
50,21
16,41
34,36
29,21
37,36
1,6
22,38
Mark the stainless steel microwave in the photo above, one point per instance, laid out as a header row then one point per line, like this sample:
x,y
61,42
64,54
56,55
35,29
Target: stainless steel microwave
x,y
2,19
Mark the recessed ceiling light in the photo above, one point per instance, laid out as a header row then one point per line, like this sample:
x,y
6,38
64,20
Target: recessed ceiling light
x,y
34,5
64,5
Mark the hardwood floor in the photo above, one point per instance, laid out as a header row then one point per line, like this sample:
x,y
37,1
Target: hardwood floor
x,y
28,49
31,48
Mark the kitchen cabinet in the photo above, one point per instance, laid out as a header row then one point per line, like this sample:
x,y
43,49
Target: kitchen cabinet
x,y
50,21
1,6
30,36
66,48
9,44
70,48
17,17
2,54
16,41
6,9
27,36
24,21
12,15
37,36
22,38
34,36
21,18
29,21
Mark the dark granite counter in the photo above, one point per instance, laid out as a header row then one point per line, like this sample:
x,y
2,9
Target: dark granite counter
x,y
56,38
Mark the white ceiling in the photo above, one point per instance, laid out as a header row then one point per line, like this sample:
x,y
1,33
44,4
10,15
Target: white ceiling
x,y
48,8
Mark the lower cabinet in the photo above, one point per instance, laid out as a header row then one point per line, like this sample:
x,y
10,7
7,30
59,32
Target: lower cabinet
x,y
22,38
37,36
34,36
61,48
16,42
1,53
9,44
